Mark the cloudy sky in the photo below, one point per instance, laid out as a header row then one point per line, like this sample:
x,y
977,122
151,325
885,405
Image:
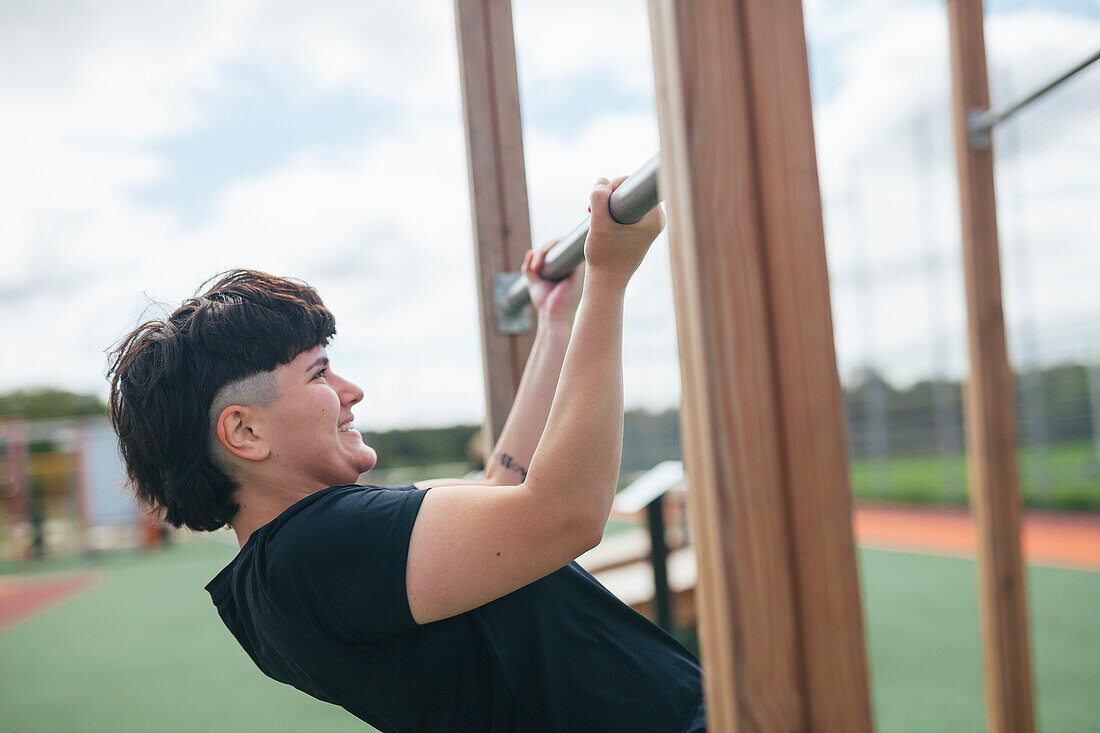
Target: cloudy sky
x,y
146,146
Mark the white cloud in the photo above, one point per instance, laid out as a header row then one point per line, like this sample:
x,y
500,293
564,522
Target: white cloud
x,y
566,39
381,225
81,252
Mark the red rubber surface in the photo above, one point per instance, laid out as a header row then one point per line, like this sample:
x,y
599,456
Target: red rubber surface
x,y
1061,539
22,598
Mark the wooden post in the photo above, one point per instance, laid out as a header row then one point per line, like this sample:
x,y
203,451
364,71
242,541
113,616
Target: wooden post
x,y
81,501
990,412
764,438
498,186
13,429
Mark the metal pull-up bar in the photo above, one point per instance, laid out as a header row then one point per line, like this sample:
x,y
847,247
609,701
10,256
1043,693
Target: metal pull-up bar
x,y
633,199
981,122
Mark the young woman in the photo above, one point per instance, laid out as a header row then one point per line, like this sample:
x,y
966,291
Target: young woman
x,y
448,605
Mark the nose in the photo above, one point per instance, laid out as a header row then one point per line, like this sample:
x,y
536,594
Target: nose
x,y
350,393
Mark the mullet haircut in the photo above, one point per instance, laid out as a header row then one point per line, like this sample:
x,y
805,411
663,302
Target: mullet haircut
x,y
165,374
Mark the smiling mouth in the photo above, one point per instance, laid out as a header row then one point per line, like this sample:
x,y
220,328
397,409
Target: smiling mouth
x,y
346,427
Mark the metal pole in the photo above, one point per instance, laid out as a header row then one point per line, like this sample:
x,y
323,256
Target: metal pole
x,y
632,200
1032,417
980,122
662,595
946,423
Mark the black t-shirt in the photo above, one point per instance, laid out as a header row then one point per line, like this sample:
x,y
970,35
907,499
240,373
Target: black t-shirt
x,y
317,598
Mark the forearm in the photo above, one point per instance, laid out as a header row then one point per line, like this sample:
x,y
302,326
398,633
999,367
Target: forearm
x,y
511,457
577,460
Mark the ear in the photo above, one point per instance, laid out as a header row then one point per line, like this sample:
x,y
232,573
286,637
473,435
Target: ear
x,y
237,436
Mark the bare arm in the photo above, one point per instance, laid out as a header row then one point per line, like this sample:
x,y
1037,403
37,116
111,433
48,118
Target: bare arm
x,y
511,458
474,543
556,305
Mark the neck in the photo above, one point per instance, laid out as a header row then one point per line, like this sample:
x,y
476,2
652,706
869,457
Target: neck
x,y
259,504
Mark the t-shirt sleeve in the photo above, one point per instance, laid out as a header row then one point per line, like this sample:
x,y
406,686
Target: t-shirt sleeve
x,y
338,567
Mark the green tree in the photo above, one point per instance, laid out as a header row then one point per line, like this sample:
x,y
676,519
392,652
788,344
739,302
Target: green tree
x,y
44,403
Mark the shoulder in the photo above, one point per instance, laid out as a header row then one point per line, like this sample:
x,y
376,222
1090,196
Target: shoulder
x,y
337,563
330,519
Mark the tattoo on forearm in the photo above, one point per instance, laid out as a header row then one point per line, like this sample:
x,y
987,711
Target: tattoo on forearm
x,y
508,462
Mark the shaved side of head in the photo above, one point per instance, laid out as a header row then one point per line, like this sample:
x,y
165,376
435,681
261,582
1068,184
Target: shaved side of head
x,y
256,390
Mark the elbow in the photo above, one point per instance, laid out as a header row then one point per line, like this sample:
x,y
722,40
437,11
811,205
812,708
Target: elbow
x,y
580,532
590,530
592,539
576,519
597,509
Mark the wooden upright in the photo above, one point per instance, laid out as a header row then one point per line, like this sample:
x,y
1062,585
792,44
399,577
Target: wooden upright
x,y
990,410
498,185
763,428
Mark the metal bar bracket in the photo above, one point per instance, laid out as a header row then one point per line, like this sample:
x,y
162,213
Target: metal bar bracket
x,y
511,323
978,129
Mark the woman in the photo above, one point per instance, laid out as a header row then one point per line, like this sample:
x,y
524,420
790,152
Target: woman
x,y
448,605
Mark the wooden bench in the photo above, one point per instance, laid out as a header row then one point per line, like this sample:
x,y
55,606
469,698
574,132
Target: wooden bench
x,y
624,562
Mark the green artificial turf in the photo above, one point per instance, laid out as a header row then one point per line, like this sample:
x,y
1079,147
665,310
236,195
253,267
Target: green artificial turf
x,y
921,617
146,652
1056,476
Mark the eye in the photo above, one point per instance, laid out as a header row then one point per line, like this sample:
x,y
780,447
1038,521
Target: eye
x,y
321,372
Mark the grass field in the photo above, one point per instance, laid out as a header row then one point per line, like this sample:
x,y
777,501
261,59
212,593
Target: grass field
x,y
146,652
1057,476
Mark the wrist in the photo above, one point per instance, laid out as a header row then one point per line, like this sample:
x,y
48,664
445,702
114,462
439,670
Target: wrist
x,y
554,329
606,280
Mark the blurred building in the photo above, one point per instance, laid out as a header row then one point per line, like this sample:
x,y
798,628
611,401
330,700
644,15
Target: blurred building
x,y
63,488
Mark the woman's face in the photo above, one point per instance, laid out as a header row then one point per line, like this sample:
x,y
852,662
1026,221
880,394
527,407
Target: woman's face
x,y
309,425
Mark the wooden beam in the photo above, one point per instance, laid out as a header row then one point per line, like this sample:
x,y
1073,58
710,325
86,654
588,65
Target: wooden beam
x,y
764,441
13,434
498,186
990,409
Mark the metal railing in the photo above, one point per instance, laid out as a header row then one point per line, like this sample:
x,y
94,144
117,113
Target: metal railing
x,y
981,122
632,200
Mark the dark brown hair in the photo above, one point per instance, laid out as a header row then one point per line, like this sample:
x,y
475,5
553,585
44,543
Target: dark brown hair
x,y
165,374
